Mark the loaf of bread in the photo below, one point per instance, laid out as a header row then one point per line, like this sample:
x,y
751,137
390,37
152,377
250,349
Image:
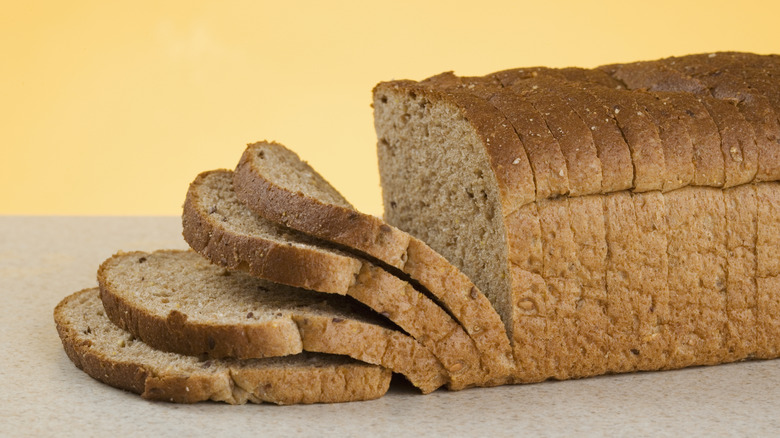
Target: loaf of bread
x,y
539,223
113,356
621,218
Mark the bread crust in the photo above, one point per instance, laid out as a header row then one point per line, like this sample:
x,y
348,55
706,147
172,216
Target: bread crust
x,y
695,83
723,77
231,382
574,138
271,338
310,215
741,234
676,143
613,152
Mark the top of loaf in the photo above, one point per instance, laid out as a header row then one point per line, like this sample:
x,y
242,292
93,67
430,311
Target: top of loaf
x,y
706,119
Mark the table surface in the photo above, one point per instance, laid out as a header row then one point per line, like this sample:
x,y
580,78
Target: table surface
x,y
43,259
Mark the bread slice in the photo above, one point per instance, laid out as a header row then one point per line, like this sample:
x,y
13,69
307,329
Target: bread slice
x,y
223,229
113,356
276,184
177,301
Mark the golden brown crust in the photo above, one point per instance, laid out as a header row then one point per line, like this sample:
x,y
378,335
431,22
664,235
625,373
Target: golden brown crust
x,y
725,77
613,152
547,160
741,324
232,382
706,85
586,216
676,142
768,269
738,142
641,136
129,377
574,138
372,344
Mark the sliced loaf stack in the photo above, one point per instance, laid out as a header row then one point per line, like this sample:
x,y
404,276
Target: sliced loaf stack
x,y
259,292
617,219
621,218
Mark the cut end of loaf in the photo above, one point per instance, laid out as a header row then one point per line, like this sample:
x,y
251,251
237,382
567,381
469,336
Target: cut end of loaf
x,y
420,134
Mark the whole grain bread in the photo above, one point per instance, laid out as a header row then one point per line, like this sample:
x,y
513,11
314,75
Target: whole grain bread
x,y
225,231
177,301
639,279
276,184
115,357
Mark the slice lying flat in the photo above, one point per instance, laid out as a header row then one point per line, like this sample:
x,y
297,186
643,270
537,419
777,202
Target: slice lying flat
x,y
225,231
277,185
179,302
111,355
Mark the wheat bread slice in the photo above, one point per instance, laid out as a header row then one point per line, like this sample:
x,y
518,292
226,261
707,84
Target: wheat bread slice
x,y
179,302
274,182
225,231
113,356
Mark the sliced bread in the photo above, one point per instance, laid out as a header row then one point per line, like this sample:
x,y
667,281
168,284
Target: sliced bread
x,y
113,356
224,230
674,280
177,301
276,184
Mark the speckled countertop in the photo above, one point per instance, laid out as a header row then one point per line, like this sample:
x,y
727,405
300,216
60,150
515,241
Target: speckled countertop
x,y
43,259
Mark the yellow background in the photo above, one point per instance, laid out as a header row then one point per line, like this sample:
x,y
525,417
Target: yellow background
x,y
114,107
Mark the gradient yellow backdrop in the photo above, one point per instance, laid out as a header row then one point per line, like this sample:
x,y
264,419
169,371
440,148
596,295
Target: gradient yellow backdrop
x,y
114,107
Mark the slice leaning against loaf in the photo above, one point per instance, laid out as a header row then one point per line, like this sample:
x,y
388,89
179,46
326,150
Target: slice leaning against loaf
x,y
111,355
179,302
220,227
276,184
